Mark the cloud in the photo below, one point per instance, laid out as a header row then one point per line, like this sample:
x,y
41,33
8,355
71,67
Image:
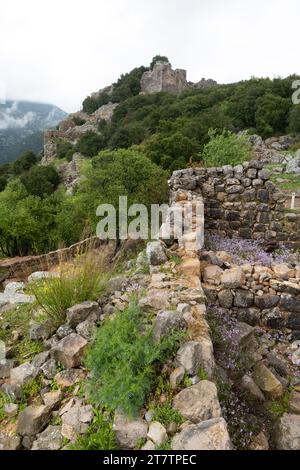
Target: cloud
x,y
9,119
60,51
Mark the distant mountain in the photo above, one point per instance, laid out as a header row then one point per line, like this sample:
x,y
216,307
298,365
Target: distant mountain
x,y
22,124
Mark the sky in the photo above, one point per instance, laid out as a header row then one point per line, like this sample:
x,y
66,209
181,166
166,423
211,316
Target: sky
x,y
59,51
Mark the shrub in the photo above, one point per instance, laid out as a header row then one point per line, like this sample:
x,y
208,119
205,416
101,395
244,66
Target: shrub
x,y
41,180
83,279
166,414
4,400
225,149
99,435
123,359
90,144
64,149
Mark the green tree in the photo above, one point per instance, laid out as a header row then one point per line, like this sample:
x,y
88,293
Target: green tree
x,y
90,144
271,116
41,180
24,162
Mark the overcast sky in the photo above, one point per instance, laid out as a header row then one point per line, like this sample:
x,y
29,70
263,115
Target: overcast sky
x,y
59,51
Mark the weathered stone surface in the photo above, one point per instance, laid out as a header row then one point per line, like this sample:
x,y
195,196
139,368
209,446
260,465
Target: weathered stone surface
x,y
242,334
288,432
32,420
250,387
76,421
117,283
283,272
80,312
69,377
38,275
190,267
49,369
23,374
225,298
163,78
52,399
64,330
156,253
194,355
266,301
157,433
212,274
50,439
9,442
294,402
129,432
243,298
86,329
155,300
69,350
41,330
148,446
199,402
267,382
233,278
208,435
166,322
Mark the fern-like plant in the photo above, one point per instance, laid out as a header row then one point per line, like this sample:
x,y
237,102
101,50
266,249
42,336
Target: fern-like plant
x,y
123,360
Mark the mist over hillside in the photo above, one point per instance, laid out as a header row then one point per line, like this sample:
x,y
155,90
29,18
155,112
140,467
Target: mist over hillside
x,y
22,124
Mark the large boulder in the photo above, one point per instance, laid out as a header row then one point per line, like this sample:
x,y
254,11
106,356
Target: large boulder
x,y
293,165
157,433
129,432
33,419
76,421
80,312
199,402
194,355
208,435
23,374
233,278
288,432
267,381
69,350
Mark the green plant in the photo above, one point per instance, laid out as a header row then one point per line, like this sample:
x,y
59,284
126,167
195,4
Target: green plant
x,y
4,400
278,407
202,374
123,360
166,414
31,389
165,445
225,149
83,279
99,435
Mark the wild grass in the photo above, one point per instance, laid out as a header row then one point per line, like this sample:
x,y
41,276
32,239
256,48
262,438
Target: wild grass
x,y
166,414
81,279
124,358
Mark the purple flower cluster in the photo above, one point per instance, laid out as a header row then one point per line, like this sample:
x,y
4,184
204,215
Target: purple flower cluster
x,y
247,251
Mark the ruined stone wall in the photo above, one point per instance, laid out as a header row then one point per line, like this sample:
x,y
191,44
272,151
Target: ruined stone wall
x,y
163,78
241,201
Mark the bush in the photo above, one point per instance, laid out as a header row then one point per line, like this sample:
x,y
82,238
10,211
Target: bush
x,y
84,279
123,359
90,144
64,149
225,149
166,414
41,181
